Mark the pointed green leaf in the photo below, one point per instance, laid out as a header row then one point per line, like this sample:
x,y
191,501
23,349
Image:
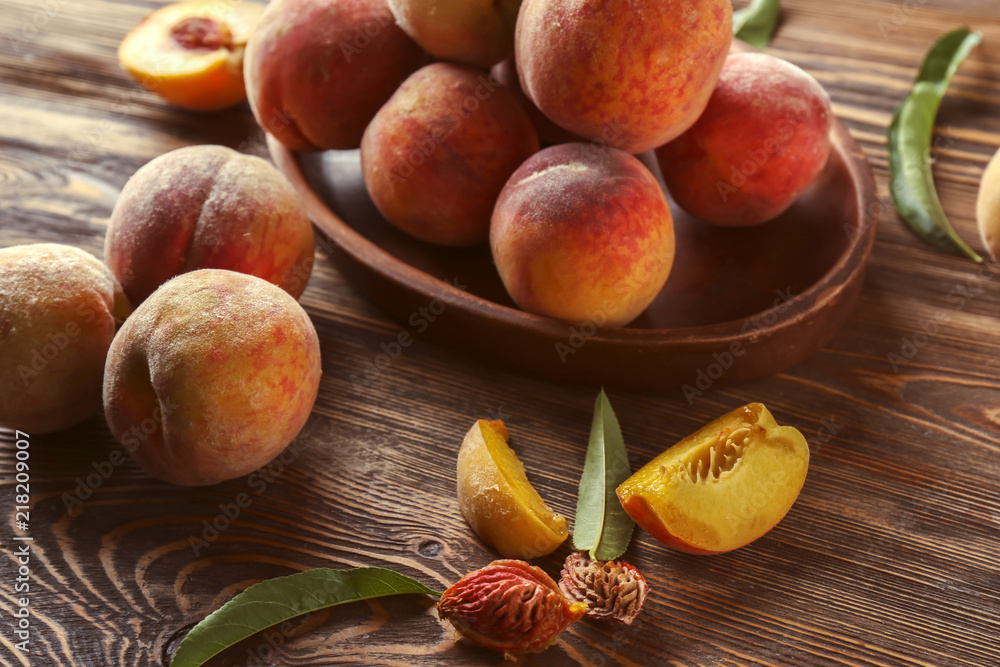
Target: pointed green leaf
x,y
277,600
602,527
755,23
911,184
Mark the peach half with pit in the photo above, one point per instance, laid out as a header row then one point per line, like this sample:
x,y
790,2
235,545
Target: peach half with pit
x,y
211,377
721,487
497,500
191,53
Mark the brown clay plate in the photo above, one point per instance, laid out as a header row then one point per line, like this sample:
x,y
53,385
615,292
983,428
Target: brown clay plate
x,y
739,303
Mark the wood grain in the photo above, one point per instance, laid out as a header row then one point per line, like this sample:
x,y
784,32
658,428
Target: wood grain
x,y
891,556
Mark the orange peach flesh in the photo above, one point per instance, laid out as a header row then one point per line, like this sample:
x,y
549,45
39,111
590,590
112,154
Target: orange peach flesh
x,y
721,487
191,53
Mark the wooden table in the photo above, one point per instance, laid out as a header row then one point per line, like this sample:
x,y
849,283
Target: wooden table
x,y
891,556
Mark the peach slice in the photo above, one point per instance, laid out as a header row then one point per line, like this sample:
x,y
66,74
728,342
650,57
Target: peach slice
x,y
721,487
497,500
191,53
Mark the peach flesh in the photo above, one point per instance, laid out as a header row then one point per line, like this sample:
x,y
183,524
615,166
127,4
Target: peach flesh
x,y
722,487
191,53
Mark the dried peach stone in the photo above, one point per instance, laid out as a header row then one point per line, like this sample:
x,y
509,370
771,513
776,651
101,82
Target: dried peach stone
x,y
191,53
509,606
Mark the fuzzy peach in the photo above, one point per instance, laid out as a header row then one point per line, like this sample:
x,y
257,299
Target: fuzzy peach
x,y
317,71
475,32
204,207
762,141
633,73
59,307
548,132
211,377
583,233
436,156
191,53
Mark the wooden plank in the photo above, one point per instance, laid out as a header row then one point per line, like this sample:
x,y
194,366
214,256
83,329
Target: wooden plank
x,y
891,556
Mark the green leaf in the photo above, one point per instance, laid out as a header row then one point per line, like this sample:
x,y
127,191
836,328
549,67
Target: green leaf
x,y
755,23
277,600
911,184
602,526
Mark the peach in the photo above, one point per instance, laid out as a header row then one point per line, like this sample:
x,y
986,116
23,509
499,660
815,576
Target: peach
x,y
59,307
988,206
548,132
721,487
436,156
474,32
762,141
633,73
191,53
497,500
317,71
582,233
211,377
203,207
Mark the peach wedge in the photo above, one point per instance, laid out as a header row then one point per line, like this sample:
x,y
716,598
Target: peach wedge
x,y
497,500
191,53
721,487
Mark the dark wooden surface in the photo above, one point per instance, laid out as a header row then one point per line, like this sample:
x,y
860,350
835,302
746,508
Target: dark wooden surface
x,y
891,556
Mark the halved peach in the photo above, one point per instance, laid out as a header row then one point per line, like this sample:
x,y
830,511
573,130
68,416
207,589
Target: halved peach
x,y
498,501
721,487
191,53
